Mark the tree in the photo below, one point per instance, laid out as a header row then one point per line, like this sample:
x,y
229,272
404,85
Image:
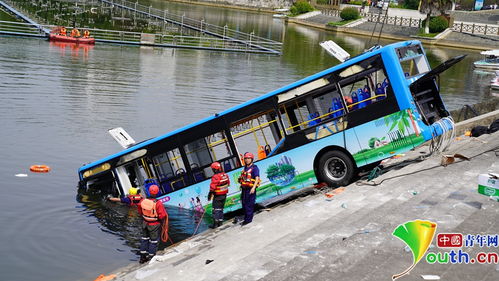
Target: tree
x,y
435,8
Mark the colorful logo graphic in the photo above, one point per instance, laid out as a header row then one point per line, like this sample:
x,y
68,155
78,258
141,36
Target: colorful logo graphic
x,y
449,240
418,235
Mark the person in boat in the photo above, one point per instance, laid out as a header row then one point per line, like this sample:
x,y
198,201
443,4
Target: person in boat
x,y
132,199
63,31
153,212
249,180
219,187
75,33
86,34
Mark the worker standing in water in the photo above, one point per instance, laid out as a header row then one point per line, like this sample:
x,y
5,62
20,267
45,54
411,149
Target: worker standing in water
x,y
132,199
249,180
153,212
219,187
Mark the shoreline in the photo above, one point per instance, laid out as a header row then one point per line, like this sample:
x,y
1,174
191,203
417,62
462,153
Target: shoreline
x,y
434,42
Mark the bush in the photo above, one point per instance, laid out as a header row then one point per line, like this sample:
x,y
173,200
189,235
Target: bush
x,y
301,7
349,13
438,24
411,4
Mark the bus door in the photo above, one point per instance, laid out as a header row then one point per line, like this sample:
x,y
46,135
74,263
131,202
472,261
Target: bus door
x,y
133,170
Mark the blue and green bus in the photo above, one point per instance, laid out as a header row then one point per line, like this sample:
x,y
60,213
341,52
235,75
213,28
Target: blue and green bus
x,y
321,129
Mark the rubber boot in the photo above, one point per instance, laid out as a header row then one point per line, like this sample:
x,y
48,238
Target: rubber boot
x,y
143,258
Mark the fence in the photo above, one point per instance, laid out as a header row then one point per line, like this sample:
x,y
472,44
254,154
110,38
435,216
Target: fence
x,y
465,27
198,25
476,28
20,28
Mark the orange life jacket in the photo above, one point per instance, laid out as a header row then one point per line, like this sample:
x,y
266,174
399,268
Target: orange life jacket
x,y
86,34
223,185
261,153
149,212
134,199
246,179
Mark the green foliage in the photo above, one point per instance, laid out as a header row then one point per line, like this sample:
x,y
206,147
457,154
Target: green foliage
x,y
372,141
359,2
339,23
438,24
301,7
411,4
272,171
323,2
349,13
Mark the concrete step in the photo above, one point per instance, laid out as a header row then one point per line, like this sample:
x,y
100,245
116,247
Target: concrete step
x,y
396,209
356,223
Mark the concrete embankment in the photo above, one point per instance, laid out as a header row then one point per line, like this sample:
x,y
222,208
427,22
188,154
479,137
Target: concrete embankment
x,y
349,236
448,38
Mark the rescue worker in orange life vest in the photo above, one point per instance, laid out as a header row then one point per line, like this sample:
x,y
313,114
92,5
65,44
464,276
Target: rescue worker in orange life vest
x,y
249,180
132,199
153,212
219,187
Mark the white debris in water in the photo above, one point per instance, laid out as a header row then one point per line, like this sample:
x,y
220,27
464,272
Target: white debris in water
x,y
430,277
21,175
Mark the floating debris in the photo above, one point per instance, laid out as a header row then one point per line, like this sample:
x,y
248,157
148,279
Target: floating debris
x,y
21,175
430,277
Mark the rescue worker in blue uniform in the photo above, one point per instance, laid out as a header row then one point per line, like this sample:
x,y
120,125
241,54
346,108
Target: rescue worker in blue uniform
x,y
154,214
249,180
219,187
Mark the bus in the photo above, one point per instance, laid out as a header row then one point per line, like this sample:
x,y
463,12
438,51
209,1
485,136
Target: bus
x,y
321,129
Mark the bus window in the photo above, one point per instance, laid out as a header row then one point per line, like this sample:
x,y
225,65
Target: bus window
x,y
412,60
258,134
202,152
364,84
317,112
171,170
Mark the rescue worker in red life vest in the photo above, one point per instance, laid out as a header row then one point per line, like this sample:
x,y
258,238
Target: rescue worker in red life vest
x,y
153,212
249,180
132,199
219,187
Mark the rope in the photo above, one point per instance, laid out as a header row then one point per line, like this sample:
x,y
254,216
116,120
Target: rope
x,y
164,230
199,222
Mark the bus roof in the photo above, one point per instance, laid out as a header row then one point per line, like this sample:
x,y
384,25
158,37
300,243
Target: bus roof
x,y
351,61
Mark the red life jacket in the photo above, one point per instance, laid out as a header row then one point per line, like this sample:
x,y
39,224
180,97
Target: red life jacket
x,y
134,199
222,186
149,212
246,179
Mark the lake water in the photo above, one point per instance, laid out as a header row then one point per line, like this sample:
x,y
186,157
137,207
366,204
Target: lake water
x,y
57,104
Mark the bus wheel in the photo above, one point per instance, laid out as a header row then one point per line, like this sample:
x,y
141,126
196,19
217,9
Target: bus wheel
x,y
336,168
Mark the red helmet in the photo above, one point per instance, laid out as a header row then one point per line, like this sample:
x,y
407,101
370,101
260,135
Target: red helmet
x,y
153,190
249,155
216,166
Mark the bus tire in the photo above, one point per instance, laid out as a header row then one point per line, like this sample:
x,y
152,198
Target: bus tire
x,y
336,168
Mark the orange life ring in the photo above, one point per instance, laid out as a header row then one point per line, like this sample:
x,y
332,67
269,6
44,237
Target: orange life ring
x,y
39,169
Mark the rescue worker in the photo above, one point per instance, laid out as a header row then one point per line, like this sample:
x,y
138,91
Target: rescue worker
x,y
219,187
153,212
249,180
132,199
75,33
63,31
86,33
